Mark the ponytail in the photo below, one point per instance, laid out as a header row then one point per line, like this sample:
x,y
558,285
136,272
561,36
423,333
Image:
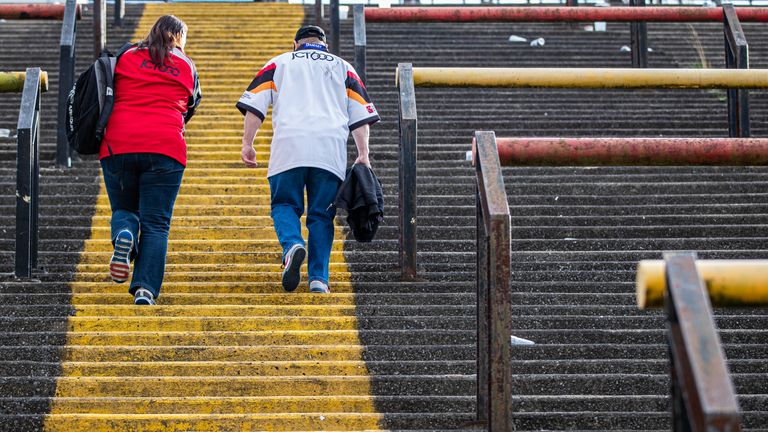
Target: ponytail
x,y
161,40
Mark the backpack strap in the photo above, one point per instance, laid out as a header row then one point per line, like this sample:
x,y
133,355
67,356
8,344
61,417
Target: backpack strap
x,y
108,64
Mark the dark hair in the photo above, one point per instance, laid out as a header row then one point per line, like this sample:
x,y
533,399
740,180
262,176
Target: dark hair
x,y
161,40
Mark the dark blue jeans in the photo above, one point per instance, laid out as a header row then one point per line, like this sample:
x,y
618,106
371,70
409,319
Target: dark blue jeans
x,y
287,192
142,189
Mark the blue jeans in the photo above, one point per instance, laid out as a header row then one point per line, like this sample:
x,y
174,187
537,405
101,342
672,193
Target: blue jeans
x,y
287,192
142,189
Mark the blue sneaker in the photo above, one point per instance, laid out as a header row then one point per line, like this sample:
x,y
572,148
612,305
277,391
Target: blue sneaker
x,y
143,297
120,264
318,287
292,267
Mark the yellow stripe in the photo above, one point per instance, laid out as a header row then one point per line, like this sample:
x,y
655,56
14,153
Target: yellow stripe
x,y
226,348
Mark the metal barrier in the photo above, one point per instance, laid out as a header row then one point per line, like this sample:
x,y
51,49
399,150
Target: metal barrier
x,y
34,82
736,49
408,78
703,395
494,304
66,80
360,41
34,11
494,239
99,27
736,57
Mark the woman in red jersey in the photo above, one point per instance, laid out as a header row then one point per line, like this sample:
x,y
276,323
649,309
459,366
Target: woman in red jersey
x,y
143,153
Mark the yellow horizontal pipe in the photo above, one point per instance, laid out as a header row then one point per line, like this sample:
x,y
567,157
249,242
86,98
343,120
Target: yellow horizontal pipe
x,y
590,77
729,282
13,82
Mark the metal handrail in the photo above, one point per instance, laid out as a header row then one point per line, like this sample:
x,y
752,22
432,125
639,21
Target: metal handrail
x,y
66,79
494,304
27,174
736,57
703,394
407,171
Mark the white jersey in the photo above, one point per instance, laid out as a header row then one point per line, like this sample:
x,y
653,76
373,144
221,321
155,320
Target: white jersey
x,y
317,99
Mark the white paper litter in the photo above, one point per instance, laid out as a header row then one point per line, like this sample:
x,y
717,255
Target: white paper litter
x,y
538,42
5,133
520,341
516,38
625,49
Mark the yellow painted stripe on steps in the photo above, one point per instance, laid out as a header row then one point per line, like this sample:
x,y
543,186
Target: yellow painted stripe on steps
x,y
214,405
226,349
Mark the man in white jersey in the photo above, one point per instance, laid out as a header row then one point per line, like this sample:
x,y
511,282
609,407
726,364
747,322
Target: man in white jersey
x,y
317,99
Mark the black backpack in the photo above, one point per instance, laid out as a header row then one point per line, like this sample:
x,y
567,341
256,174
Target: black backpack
x,y
90,103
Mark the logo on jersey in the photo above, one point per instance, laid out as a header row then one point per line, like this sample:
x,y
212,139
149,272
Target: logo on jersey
x,y
312,55
149,64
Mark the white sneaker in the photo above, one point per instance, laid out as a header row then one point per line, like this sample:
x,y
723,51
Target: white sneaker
x,y
292,267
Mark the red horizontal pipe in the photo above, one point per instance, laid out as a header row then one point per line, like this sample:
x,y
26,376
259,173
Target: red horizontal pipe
x,y
560,14
34,11
631,151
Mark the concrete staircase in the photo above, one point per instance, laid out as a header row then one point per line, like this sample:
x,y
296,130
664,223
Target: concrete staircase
x,y
227,350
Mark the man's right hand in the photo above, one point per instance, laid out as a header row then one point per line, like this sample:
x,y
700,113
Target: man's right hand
x,y
249,156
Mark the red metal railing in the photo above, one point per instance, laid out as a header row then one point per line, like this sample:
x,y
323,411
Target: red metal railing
x,y
34,11
560,14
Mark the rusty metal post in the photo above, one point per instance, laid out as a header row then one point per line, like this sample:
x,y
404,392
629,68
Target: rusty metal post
x,y
335,43
497,224
67,53
483,337
407,170
319,13
99,26
360,41
703,394
27,171
736,57
639,39
119,12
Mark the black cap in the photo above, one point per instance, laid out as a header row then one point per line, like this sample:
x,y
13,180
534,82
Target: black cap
x,y
308,32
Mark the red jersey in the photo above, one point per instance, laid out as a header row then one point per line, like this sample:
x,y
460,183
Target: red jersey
x,y
152,104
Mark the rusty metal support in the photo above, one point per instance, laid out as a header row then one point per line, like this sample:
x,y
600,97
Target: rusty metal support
x,y
319,12
494,287
67,53
37,11
736,57
561,14
590,77
407,171
728,282
639,38
27,175
703,394
335,42
119,12
483,326
99,27
360,41
632,151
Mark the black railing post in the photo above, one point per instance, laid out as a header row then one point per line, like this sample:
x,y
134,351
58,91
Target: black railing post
x,y
66,80
407,170
360,42
736,57
99,27
639,39
703,395
26,169
119,12
335,30
498,229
